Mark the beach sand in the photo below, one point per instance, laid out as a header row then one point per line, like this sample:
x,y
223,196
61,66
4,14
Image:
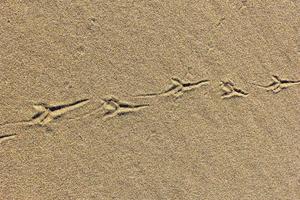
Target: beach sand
x,y
150,100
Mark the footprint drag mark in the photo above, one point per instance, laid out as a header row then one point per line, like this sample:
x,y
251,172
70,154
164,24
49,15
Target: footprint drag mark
x,y
6,137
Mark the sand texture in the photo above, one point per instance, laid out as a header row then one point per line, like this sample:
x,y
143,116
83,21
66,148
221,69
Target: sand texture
x,y
150,99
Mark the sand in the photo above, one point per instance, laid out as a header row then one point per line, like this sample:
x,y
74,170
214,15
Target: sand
x,y
150,100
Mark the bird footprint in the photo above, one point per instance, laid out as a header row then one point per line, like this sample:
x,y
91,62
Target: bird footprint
x,y
177,88
113,107
230,91
47,113
278,84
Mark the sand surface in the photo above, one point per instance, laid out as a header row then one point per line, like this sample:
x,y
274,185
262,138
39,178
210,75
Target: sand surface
x,y
150,100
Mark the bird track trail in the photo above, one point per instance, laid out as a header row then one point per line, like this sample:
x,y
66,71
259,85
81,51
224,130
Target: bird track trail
x,y
113,106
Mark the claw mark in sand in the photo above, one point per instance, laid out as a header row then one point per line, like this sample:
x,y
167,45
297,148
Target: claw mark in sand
x,y
113,107
278,84
6,137
231,91
177,88
48,112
